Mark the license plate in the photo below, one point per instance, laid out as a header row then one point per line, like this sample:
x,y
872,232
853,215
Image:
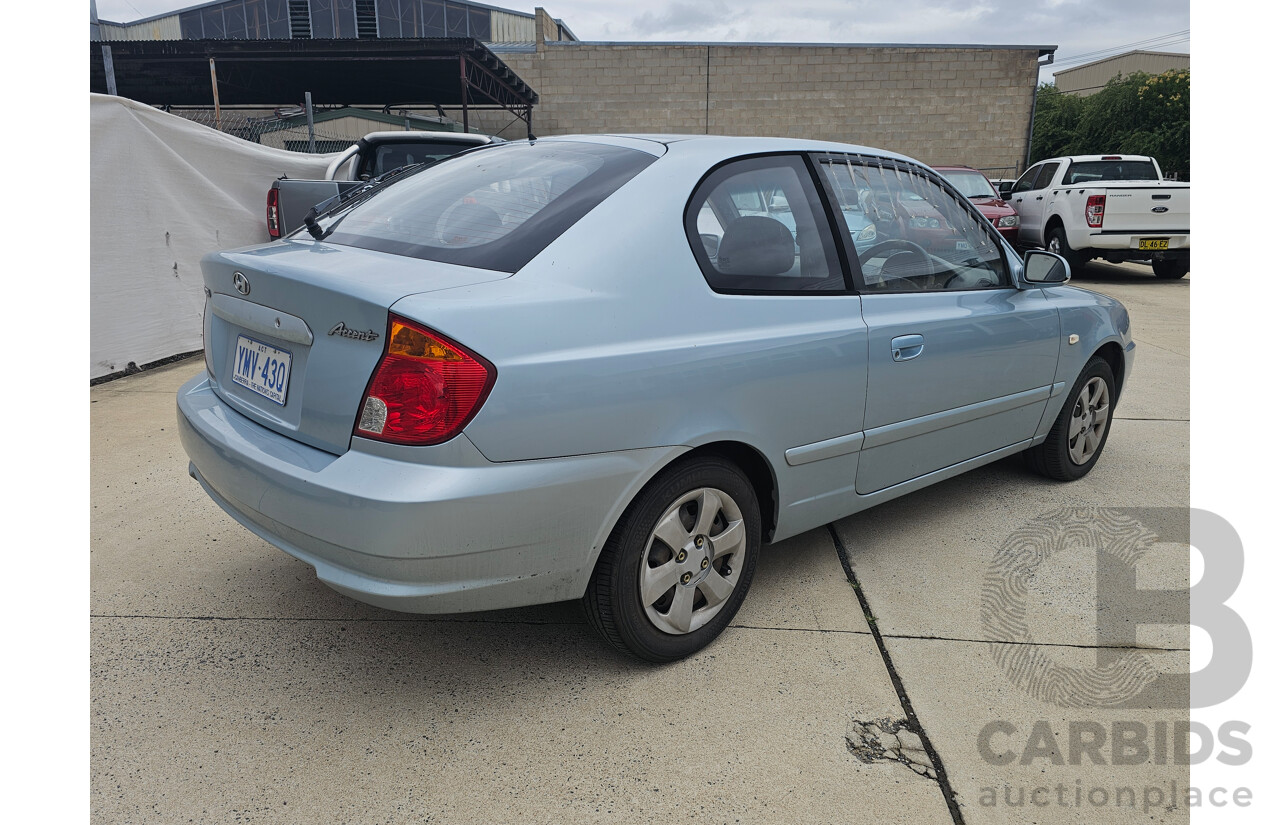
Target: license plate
x,y
262,368
1153,243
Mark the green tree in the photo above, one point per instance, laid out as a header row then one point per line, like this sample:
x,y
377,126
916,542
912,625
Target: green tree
x,y
1141,114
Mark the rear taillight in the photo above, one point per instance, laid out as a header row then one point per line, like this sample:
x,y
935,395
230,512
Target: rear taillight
x,y
1093,210
273,212
425,389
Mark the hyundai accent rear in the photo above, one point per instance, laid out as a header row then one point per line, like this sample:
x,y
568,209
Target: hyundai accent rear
x,y
610,368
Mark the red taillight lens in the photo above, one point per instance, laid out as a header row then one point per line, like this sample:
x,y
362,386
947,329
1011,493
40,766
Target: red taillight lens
x,y
273,212
1094,209
426,388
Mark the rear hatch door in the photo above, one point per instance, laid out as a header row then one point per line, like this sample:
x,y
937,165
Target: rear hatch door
x,y
294,330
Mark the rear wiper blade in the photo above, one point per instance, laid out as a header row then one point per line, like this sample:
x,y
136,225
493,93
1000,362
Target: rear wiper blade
x,y
345,200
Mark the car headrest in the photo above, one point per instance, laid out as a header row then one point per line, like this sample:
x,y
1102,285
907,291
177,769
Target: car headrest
x,y
756,245
472,224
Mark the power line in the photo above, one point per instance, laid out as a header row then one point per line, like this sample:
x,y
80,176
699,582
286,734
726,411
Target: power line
x,y
1161,40
1184,34
1147,47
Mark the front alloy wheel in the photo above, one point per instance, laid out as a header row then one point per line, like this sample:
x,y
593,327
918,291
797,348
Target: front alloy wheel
x,y
1080,431
1089,419
678,564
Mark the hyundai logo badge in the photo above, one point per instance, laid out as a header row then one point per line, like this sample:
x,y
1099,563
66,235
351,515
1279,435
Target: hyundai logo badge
x,y
241,283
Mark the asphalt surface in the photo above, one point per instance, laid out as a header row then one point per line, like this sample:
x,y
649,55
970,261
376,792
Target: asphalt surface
x,y
863,680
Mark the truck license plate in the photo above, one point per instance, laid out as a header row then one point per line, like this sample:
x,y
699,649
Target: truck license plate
x,y
262,368
1153,243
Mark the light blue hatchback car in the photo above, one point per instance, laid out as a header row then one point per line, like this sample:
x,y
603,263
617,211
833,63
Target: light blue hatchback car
x,y
608,368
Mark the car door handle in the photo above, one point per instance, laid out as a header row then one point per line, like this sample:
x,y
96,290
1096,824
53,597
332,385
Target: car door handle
x,y
1039,197
906,347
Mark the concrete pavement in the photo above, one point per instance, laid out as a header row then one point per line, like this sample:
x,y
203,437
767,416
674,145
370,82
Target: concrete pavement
x,y
228,685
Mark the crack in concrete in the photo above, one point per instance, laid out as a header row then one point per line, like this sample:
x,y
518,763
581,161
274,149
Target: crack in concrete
x,y
963,640
912,722
889,740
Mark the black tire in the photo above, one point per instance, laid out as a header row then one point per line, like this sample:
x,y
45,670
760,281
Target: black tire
x,y
1056,242
613,601
1054,457
1171,269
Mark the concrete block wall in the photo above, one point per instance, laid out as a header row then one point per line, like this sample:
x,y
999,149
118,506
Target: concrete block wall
x,y
940,105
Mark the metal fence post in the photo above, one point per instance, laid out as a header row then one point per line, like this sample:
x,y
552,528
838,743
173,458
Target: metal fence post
x,y
213,78
311,125
109,69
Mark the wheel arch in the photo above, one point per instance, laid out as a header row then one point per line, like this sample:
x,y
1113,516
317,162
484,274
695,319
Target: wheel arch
x,y
757,470
750,460
1054,222
1112,353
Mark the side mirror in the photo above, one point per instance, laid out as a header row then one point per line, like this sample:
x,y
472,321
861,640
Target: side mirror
x,y
1043,267
1005,190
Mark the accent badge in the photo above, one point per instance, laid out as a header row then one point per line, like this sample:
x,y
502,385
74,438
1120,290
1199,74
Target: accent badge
x,y
344,331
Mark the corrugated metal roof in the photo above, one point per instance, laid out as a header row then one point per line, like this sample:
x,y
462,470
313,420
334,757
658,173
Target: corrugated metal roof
x,y
1124,56
512,48
220,2
423,71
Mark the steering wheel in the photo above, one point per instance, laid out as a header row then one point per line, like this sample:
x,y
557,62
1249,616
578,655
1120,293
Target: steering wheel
x,y
878,249
981,283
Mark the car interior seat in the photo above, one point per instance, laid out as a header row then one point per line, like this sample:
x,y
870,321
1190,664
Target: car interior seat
x,y
755,246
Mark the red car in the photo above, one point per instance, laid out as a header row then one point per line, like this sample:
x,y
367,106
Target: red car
x,y
975,186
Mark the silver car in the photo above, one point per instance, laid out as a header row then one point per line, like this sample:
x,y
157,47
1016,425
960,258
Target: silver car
x,y
608,368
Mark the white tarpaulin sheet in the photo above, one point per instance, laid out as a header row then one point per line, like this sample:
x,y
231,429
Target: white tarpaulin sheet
x,y
165,191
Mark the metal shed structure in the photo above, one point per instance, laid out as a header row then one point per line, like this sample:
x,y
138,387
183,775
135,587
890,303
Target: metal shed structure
x,y
454,72
1088,78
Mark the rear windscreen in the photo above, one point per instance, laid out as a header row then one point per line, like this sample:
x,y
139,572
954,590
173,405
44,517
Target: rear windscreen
x,y
390,156
970,184
1093,171
492,208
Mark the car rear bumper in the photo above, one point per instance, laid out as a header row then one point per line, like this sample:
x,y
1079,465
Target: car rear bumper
x,y
445,532
1126,243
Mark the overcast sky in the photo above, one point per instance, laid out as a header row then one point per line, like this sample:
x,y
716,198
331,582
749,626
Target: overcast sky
x,y
1081,29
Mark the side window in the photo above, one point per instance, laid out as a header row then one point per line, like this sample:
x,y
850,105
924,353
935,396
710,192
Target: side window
x,y
1028,180
1046,175
757,225
909,233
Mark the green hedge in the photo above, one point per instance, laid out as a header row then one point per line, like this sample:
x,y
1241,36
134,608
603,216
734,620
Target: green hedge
x,y
1141,114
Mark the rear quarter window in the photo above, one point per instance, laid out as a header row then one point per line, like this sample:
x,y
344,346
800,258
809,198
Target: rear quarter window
x,y
492,208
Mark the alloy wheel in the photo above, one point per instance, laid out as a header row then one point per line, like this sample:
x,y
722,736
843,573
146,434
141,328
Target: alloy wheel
x,y
693,561
1088,420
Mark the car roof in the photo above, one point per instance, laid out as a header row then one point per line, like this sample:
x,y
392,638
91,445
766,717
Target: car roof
x,y
1111,157
733,145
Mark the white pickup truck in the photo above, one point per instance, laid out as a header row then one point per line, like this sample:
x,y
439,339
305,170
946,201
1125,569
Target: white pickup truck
x,y
1117,207
375,154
